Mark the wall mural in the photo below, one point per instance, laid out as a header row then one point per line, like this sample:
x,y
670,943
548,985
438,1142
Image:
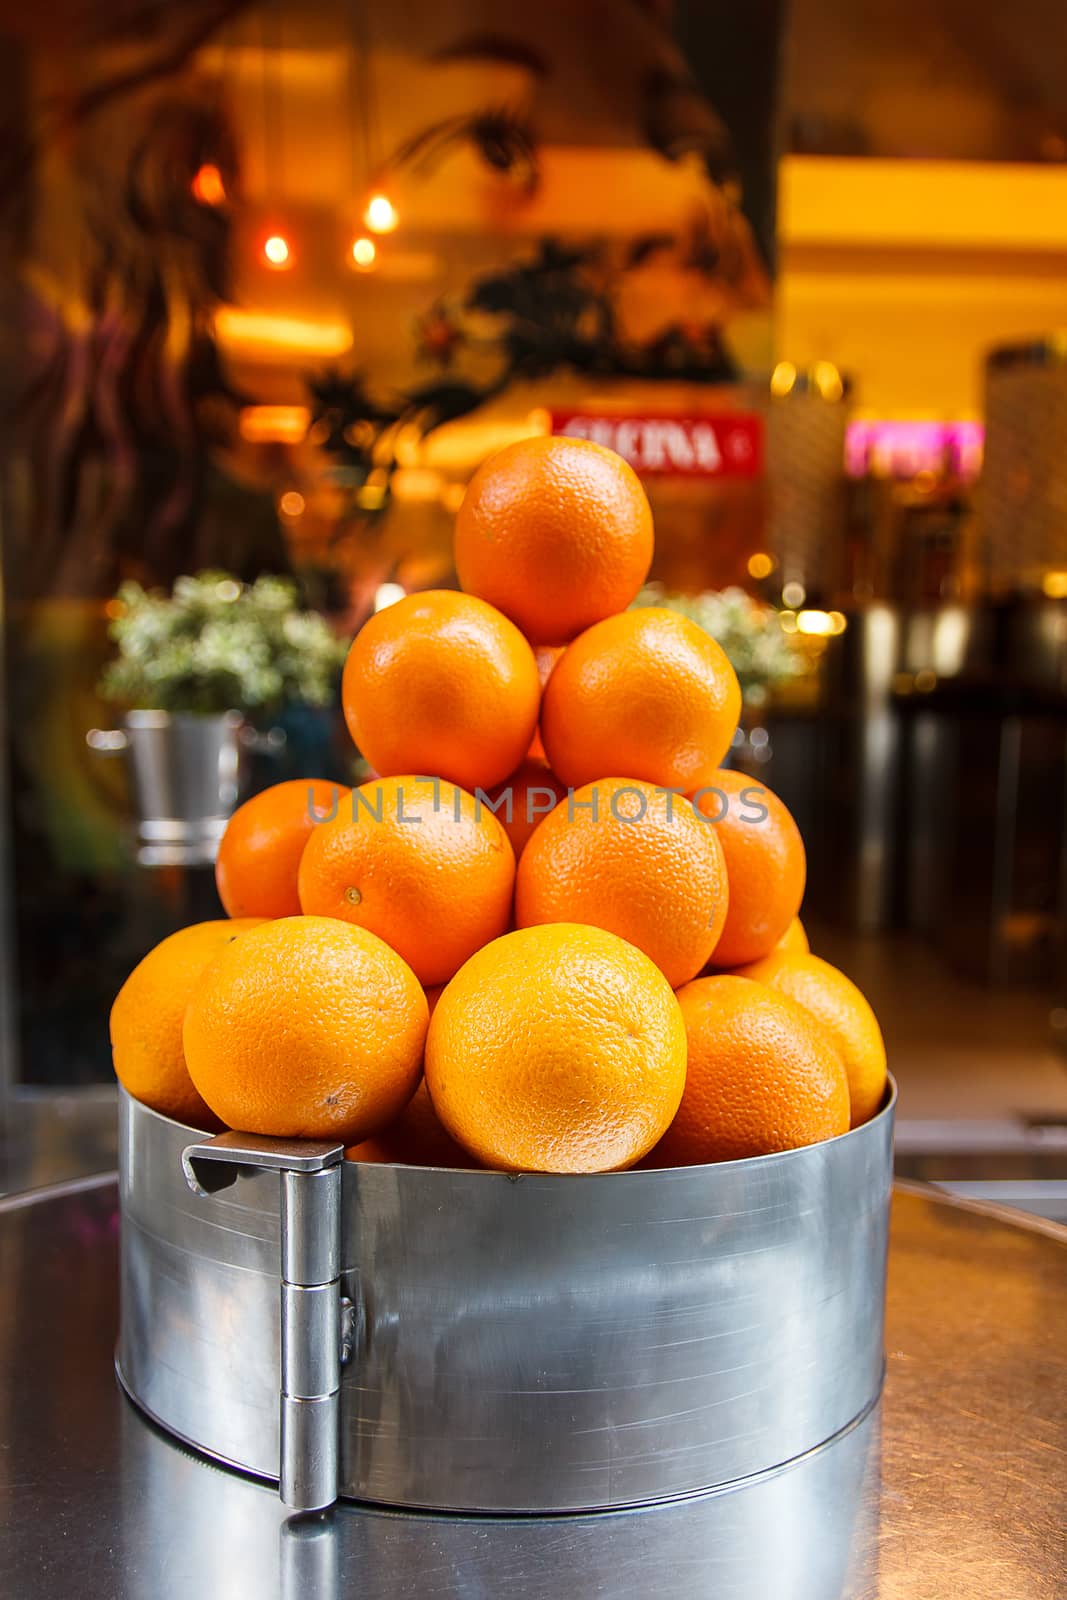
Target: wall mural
x,y
126,406
199,224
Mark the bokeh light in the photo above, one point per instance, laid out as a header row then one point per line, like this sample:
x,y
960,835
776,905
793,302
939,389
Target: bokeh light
x,y
207,185
276,250
380,214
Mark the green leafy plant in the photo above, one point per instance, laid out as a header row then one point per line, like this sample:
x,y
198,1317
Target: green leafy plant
x,y
217,645
762,654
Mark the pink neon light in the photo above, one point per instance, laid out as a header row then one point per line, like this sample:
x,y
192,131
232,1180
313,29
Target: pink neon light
x,y
902,449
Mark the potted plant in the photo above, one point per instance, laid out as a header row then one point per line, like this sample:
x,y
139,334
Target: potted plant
x,y
191,668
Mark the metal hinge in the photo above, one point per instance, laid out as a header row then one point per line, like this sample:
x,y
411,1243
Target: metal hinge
x,y
316,1322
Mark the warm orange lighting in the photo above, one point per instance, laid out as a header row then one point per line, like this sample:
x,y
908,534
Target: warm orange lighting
x,y
452,496
761,565
821,623
1054,585
828,380
364,253
380,214
783,378
263,329
274,424
416,484
207,186
292,503
276,250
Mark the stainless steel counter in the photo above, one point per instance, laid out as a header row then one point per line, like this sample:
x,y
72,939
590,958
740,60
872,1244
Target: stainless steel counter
x,y
956,1486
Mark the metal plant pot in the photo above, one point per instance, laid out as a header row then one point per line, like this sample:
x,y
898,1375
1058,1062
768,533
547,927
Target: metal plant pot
x,y
184,775
478,1341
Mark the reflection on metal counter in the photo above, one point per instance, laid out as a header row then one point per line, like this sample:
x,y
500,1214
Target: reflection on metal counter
x,y
954,1489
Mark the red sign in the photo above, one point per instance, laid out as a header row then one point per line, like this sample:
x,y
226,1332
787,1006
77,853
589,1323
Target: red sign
x,y
727,445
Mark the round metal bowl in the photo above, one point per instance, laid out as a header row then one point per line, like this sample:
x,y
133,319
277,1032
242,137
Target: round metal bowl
x,y
522,1344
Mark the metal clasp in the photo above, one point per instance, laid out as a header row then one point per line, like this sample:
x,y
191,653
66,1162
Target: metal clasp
x,y
312,1312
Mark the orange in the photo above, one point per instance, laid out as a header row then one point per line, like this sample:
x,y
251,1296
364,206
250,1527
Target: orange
x,y
415,1139
762,1076
442,684
147,1016
794,939
647,693
306,1028
764,863
546,656
557,1049
636,861
421,863
259,853
556,533
522,800
844,1015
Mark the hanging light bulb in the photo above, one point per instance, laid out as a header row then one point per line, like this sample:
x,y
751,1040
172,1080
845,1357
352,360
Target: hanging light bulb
x,y
276,250
207,185
380,214
364,253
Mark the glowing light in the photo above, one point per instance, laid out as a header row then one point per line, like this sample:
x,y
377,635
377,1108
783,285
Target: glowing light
x,y
539,420
1054,584
364,253
380,214
262,328
292,503
371,497
274,424
902,449
819,623
760,565
839,620
207,185
387,594
228,590
276,250
783,378
793,595
828,380
452,496
925,680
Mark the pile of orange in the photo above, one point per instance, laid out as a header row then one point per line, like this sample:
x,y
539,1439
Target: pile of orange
x,y
553,933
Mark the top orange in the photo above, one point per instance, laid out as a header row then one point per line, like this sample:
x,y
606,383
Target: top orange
x,y
441,683
557,533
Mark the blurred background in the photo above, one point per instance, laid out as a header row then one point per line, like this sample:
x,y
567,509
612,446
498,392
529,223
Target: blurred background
x,y
277,278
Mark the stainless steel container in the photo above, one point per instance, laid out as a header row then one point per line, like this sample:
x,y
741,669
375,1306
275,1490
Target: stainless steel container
x,y
473,1341
184,773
